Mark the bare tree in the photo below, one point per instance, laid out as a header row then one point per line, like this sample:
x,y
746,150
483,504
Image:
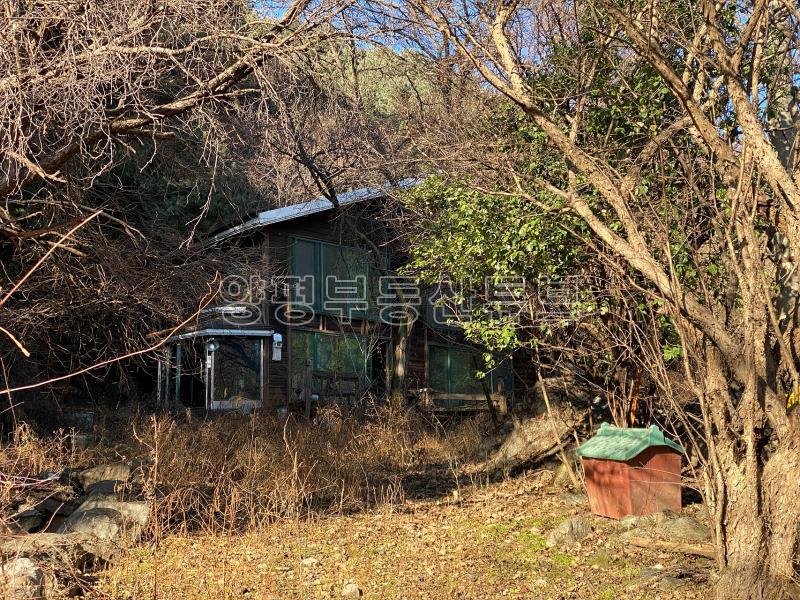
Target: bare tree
x,y
88,91
716,171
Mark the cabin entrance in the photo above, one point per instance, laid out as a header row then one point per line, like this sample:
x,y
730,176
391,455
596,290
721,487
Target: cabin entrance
x,y
214,369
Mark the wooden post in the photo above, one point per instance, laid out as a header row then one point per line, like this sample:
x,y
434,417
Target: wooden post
x,y
563,455
307,388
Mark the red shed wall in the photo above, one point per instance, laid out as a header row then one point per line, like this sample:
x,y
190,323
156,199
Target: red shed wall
x,y
608,487
655,481
646,484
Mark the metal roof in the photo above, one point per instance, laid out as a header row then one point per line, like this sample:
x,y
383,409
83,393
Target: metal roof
x,y
220,332
310,207
614,443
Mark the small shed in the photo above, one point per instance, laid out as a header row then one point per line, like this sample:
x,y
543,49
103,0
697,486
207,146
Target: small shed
x,y
631,471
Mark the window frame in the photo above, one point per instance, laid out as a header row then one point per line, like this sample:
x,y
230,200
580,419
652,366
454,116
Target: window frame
x,y
371,313
366,372
453,348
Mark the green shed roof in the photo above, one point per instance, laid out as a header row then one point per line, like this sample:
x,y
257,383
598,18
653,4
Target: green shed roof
x,y
614,443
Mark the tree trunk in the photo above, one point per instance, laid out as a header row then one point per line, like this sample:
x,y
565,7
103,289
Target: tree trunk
x,y
752,492
758,549
397,390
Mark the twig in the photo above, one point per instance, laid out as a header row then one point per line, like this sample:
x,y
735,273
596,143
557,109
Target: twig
x,y
47,254
206,301
706,550
18,344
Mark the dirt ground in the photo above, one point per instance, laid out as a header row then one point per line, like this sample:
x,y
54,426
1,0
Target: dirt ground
x,y
476,541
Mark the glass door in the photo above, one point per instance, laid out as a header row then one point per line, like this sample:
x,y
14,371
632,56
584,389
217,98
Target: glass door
x,y
236,373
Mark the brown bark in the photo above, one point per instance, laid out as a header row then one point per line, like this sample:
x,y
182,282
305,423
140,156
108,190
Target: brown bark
x,y
397,390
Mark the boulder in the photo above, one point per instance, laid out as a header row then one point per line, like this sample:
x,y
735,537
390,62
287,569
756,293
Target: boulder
x,y
107,521
21,578
100,523
27,520
52,548
683,528
118,471
107,487
629,522
351,590
534,439
569,532
136,511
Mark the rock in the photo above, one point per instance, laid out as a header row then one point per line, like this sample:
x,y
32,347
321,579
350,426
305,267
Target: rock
x,y
309,563
118,471
46,544
571,499
533,439
351,590
629,522
101,523
684,528
137,511
107,522
106,487
569,532
667,584
22,578
55,506
103,530
28,520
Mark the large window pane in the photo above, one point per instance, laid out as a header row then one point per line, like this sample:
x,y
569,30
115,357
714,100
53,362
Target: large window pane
x,y
437,369
320,260
463,365
341,365
345,280
237,371
305,265
328,353
453,370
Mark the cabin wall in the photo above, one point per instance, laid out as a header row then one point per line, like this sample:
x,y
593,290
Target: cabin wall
x,y
356,226
352,227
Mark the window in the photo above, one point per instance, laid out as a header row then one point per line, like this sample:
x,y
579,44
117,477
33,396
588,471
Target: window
x,y
453,370
236,372
329,353
335,279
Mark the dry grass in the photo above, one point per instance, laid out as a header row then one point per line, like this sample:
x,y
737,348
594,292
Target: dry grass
x,y
490,542
29,456
381,500
235,472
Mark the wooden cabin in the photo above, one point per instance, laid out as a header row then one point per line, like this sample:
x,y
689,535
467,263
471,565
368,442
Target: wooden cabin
x,y
296,338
